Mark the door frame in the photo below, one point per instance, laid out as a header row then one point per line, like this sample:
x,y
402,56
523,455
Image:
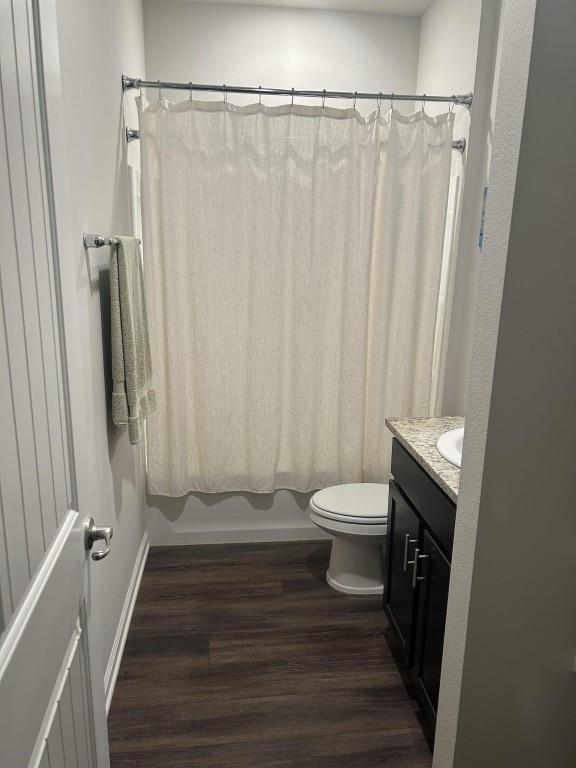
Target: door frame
x,y
513,61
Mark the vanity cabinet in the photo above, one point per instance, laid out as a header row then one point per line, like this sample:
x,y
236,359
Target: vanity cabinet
x,y
417,574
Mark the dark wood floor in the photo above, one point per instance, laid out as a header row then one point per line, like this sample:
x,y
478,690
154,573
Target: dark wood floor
x,y
241,656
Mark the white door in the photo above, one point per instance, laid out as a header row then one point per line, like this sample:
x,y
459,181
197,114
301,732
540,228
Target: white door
x,y
51,698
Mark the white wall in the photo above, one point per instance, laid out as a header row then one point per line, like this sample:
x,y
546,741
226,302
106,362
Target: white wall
x,y
454,58
509,690
448,49
280,47
276,47
98,42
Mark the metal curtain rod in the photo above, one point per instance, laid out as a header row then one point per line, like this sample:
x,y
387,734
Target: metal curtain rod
x,y
464,100
132,134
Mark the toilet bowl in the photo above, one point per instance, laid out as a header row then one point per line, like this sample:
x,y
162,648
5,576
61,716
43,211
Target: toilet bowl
x,y
355,515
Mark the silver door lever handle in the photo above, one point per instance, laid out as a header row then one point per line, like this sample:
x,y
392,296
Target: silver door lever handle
x,y
97,533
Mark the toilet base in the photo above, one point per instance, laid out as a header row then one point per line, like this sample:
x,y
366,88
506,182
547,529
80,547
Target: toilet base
x,y
355,568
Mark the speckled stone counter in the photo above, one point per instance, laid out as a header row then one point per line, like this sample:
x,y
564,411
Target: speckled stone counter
x,y
419,437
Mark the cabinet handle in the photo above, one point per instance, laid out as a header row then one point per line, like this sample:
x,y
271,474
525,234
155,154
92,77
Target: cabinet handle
x,y
415,564
417,558
407,542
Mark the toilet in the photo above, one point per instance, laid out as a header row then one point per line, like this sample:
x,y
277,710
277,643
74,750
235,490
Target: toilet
x,y
356,516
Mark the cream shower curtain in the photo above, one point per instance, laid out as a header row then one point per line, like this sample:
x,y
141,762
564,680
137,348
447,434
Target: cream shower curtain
x,y
292,264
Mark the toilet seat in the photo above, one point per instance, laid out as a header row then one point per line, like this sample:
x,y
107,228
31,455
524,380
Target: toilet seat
x,y
358,503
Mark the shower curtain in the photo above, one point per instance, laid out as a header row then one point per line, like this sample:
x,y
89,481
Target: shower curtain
x,y
292,266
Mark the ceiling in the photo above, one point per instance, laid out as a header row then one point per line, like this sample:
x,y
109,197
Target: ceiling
x,y
401,7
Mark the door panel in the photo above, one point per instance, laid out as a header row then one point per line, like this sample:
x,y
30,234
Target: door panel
x,y
40,646
51,697
67,736
399,595
34,471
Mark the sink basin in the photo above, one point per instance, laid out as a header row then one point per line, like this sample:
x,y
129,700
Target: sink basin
x,y
450,445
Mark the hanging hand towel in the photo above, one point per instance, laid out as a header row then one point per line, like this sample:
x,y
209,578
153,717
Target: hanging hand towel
x,y
133,396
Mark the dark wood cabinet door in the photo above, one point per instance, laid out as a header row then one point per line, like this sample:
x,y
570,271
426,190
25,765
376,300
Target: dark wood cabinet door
x,y
433,582
399,593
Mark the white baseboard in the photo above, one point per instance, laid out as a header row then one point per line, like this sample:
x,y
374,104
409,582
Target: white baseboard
x,y
113,665
170,537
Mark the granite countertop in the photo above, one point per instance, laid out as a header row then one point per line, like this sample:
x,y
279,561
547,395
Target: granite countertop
x,y
419,437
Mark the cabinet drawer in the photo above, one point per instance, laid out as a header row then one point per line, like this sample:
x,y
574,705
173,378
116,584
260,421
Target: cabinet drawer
x,y
434,507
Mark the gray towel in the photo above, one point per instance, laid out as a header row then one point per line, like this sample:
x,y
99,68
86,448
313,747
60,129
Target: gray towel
x,y
133,396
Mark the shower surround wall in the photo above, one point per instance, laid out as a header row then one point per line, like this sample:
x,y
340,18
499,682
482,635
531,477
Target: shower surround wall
x,y
275,47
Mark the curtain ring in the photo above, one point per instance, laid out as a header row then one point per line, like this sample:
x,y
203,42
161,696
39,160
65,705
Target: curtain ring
x,y
452,104
423,102
380,102
392,101
225,93
259,94
355,97
159,91
190,87
323,97
292,96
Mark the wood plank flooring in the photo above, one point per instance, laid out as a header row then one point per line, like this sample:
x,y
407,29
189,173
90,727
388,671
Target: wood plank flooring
x,y
240,656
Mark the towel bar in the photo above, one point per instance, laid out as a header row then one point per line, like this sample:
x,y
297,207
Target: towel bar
x,y
97,241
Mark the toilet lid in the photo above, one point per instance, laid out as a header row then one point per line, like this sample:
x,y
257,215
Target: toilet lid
x,y
355,502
